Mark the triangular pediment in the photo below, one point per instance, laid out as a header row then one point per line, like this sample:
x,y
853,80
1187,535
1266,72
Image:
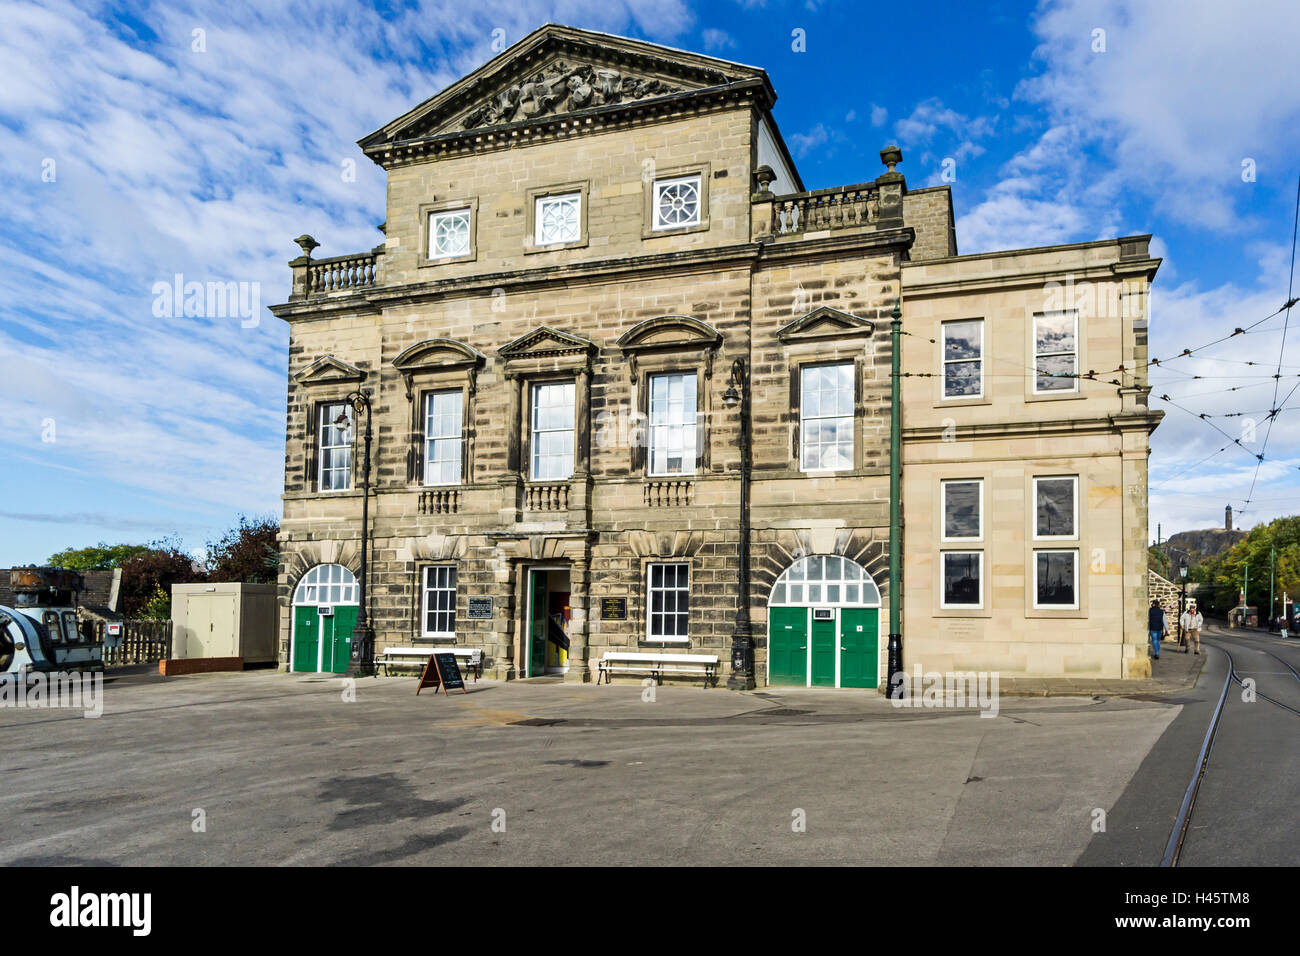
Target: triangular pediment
x,y
328,370
825,322
556,71
544,342
669,332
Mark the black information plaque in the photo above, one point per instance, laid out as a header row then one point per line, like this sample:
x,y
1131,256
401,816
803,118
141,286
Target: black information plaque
x,y
480,608
613,609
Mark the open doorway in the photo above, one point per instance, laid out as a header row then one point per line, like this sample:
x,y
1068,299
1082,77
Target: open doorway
x,y
548,622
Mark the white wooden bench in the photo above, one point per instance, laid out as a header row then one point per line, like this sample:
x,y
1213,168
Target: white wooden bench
x,y
656,664
470,658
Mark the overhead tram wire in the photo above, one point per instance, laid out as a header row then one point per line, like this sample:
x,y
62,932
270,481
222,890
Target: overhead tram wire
x,y
1290,289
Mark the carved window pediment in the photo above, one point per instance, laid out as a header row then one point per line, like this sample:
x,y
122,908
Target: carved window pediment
x,y
669,332
545,342
328,370
669,335
825,322
439,354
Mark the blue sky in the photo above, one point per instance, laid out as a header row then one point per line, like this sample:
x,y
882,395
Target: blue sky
x,y
143,141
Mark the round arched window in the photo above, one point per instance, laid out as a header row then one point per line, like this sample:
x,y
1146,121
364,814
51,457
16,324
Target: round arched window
x,y
825,579
326,584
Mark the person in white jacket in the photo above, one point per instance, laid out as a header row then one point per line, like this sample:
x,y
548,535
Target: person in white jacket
x,y
1192,622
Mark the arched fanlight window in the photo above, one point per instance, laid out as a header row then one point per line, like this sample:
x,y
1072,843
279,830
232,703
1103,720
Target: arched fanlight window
x,y
326,584
825,579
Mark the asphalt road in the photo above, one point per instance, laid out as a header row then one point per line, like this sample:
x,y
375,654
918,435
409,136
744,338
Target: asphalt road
x,y
280,769
1246,808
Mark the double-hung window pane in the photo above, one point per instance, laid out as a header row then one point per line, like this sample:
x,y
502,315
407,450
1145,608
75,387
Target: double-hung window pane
x,y
449,233
552,431
1056,579
672,424
440,601
826,417
1055,510
669,595
558,219
963,359
1055,352
962,574
335,447
962,510
442,437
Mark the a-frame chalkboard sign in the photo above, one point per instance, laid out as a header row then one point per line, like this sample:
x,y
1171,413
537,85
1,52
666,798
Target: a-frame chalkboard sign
x,y
441,670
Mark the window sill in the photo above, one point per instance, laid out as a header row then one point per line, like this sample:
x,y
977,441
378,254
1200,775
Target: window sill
x,y
1061,396
532,248
962,402
427,263
675,230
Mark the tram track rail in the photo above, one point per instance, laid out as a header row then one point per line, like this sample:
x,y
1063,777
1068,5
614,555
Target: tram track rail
x,y
1182,821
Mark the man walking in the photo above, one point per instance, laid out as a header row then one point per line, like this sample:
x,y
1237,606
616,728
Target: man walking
x,y
1192,622
1156,626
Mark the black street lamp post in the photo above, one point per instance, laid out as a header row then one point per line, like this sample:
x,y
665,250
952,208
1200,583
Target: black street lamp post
x,y
742,638
1182,601
362,658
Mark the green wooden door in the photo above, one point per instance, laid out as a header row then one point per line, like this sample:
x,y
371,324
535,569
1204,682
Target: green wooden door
x,y
787,645
339,652
859,647
306,638
537,633
823,652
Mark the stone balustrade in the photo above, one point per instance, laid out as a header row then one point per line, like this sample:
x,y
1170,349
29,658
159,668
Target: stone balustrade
x,y
440,501
314,277
668,494
546,497
820,212
844,207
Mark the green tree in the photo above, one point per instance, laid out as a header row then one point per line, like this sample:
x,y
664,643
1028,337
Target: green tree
x,y
158,607
248,552
161,566
1280,540
100,557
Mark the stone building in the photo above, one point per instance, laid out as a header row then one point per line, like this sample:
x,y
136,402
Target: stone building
x,y
593,245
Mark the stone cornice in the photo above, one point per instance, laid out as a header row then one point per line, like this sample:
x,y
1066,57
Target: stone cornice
x,y
565,125
1146,421
740,255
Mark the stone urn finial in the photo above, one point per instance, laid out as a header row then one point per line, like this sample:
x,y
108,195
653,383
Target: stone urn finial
x,y
891,156
765,177
306,244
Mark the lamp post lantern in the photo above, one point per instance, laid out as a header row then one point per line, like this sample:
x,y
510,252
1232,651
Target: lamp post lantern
x,y
361,661
737,396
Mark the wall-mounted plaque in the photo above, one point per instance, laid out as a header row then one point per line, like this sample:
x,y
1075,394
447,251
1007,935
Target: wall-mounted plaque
x,y
480,608
613,609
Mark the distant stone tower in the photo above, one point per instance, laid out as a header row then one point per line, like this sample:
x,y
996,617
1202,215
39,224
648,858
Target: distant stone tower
x,y
1227,518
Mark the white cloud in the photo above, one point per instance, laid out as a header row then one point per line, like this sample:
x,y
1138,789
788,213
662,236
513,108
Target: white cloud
x,y
206,164
1183,92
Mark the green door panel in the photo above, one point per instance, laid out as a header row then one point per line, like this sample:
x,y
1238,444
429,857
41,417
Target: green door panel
x,y
344,618
787,645
306,638
859,647
823,653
